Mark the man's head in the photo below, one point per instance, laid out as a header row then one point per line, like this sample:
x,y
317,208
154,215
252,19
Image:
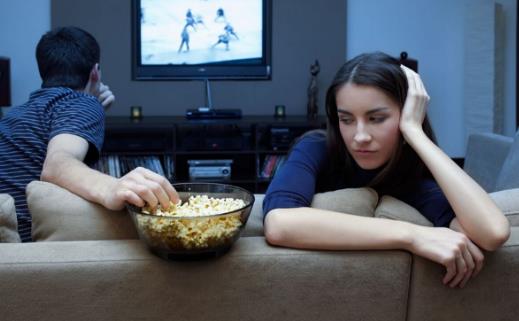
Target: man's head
x,y
68,57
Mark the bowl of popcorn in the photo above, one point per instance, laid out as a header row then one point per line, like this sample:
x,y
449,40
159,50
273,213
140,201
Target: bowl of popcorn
x,y
205,222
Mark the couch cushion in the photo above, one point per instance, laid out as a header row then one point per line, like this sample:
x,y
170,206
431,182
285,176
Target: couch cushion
x,y
508,202
509,176
8,220
392,208
395,209
59,215
356,201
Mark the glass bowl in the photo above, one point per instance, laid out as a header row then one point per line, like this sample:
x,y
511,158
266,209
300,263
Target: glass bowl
x,y
197,236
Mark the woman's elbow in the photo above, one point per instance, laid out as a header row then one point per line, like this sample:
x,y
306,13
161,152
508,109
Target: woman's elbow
x,y
497,236
275,228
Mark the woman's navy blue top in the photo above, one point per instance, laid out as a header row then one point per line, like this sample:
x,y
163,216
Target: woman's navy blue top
x,y
296,182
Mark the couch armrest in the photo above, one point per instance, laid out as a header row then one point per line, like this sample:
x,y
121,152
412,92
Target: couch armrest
x,y
488,296
485,156
120,280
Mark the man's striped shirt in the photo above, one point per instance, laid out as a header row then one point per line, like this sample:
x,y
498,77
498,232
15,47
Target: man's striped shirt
x,y
26,130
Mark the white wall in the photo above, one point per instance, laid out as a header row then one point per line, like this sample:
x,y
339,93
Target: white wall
x,y
22,23
432,32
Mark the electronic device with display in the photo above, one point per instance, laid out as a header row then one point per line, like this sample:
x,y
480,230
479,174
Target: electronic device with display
x,y
200,39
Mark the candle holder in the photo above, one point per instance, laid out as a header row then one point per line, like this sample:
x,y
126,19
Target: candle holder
x,y
279,111
136,112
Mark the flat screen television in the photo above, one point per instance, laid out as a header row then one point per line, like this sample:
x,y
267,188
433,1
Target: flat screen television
x,y
201,39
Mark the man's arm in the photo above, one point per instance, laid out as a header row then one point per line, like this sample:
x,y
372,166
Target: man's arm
x,y
64,166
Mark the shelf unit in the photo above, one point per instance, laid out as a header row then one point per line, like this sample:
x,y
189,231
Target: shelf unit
x,y
248,142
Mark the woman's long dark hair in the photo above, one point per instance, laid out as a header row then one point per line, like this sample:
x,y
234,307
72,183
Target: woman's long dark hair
x,y
405,168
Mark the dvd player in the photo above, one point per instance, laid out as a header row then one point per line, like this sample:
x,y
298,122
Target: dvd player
x,y
211,113
209,169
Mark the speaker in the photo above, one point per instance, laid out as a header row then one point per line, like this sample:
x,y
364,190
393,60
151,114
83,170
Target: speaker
x,y
5,82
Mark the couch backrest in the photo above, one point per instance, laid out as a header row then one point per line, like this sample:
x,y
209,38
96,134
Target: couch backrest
x,y
485,156
509,176
59,215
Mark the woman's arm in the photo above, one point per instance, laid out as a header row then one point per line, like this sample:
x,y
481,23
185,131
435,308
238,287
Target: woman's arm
x,y
480,218
310,228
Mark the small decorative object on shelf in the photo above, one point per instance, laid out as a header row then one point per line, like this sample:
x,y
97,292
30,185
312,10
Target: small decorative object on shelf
x,y
312,108
136,112
408,62
279,111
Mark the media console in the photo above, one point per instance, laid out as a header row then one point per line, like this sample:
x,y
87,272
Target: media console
x,y
244,152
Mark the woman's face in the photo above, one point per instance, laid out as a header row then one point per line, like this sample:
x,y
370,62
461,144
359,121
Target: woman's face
x,y
369,124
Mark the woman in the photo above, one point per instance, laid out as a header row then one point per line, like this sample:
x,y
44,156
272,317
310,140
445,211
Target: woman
x,y
379,136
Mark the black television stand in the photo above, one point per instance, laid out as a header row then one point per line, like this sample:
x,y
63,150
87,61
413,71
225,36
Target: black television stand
x,y
256,145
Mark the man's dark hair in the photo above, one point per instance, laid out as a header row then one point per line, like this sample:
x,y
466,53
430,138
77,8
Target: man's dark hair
x,y
65,56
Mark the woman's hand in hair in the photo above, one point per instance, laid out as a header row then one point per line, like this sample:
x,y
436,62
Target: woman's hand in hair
x,y
415,106
461,258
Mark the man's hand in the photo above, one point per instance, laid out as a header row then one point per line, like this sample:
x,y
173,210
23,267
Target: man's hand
x,y
105,96
140,187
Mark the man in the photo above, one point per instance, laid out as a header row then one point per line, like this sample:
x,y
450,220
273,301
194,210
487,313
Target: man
x,y
59,131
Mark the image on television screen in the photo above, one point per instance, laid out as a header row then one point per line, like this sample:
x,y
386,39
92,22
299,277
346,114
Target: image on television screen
x,y
194,32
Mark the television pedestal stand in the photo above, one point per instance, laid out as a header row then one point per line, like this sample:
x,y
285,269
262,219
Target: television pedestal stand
x,y
208,112
208,100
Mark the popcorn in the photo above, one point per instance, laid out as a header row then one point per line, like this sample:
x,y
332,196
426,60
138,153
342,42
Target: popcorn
x,y
198,205
172,229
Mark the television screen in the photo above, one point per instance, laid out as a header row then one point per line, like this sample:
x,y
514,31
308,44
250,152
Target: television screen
x,y
201,39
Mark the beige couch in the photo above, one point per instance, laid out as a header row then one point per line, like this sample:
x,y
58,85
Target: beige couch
x,y
94,268
112,278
